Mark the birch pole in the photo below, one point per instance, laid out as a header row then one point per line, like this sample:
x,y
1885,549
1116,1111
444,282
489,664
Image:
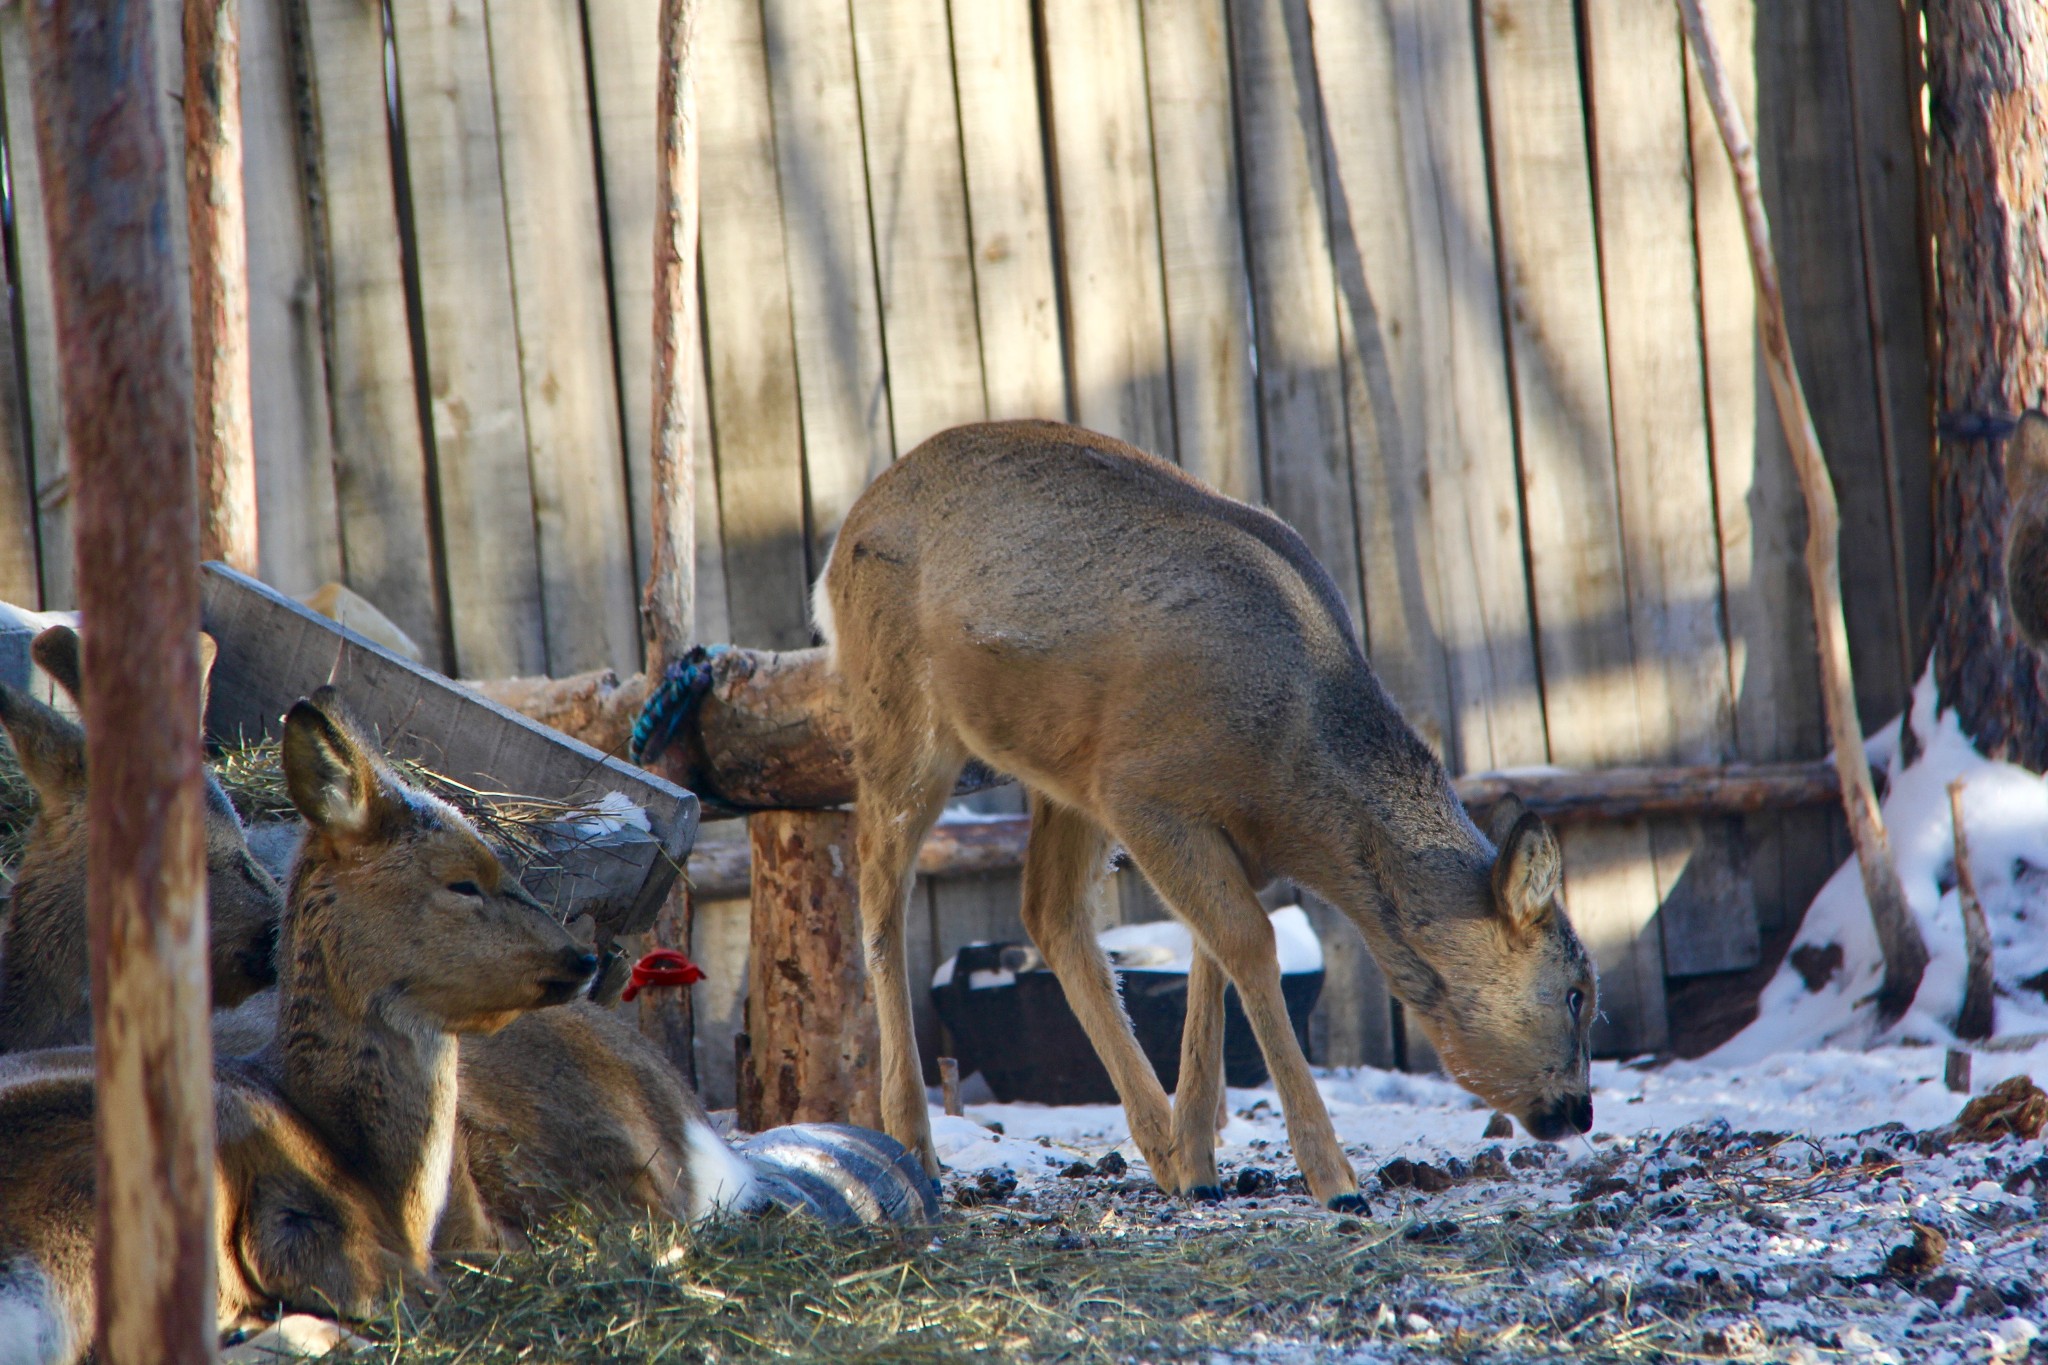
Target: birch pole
x,y
668,607
128,418
1905,952
217,227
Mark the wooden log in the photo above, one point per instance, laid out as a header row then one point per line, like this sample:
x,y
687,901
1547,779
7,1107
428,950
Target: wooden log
x,y
1905,952
815,1046
128,419
668,604
223,429
966,845
1976,1017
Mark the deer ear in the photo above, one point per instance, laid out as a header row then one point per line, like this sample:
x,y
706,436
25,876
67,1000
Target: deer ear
x,y
56,653
2026,457
50,749
1529,872
1506,812
329,771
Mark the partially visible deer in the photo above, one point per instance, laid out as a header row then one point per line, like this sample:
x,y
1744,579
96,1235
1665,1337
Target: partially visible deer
x,y
339,1164
2026,537
44,955
1170,670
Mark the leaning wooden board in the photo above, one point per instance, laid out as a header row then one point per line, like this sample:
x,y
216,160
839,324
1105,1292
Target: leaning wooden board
x,y
274,651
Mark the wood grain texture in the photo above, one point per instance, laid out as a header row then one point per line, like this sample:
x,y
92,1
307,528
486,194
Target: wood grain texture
x,y
1202,245
842,380
380,450
816,1046
918,198
300,546
1467,422
1106,199
751,353
496,616
1579,575
49,457
1009,209
1386,390
570,389
1671,558
20,574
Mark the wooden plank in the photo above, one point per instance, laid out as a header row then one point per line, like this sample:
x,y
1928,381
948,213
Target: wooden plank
x,y
1105,197
554,231
380,456
295,495
49,458
714,610
273,650
1294,289
1386,389
20,574
1807,148
1657,394
1009,208
842,383
623,60
750,351
1201,244
1353,1021
917,188
480,459
1579,580
1761,515
1468,430
719,931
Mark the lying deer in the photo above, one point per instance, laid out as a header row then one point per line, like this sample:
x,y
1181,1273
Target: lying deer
x,y
44,956
339,1165
2026,538
1170,670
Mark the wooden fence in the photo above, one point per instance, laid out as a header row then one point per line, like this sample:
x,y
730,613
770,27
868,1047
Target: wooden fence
x,y
1458,289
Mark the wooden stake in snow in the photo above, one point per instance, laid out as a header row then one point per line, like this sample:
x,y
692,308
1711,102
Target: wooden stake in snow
x,y
222,428
1905,953
128,418
1977,1016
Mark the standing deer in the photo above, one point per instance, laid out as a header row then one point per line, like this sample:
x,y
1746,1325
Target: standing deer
x,y
339,1160
1170,670
44,957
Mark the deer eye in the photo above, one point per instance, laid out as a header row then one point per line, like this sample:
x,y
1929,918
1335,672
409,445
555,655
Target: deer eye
x,y
472,889
1575,1002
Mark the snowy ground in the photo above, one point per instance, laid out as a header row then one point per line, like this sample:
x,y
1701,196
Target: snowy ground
x,y
1761,1200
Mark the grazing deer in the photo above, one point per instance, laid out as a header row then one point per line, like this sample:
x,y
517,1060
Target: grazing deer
x,y
337,1164
1170,670
44,955
2026,537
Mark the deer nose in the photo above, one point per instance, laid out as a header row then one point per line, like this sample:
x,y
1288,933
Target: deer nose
x,y
1560,1117
581,963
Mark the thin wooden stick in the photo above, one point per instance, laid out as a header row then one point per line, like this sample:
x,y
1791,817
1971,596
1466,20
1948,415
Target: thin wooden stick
x,y
222,427
1905,952
128,418
1978,1014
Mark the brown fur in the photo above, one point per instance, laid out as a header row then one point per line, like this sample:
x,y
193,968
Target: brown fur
x,y
337,1143
1171,670
44,956
2026,539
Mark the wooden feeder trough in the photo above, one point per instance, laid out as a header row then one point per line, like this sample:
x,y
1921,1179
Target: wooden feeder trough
x,y
599,860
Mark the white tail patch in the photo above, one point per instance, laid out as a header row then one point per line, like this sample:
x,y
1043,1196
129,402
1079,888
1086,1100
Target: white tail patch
x,y
721,1181
821,604
35,1329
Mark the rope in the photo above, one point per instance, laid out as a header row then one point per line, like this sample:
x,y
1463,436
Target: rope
x,y
662,967
669,707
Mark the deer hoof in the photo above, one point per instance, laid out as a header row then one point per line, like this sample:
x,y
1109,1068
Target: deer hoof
x,y
1354,1202
1205,1194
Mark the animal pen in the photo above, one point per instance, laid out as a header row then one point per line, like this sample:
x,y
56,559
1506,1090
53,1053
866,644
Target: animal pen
x,y
1458,291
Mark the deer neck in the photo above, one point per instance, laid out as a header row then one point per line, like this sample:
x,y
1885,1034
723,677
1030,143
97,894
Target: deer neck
x,y
376,1079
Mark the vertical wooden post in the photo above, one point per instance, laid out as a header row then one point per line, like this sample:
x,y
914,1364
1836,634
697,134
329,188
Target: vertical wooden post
x,y
816,1047
128,418
669,604
222,427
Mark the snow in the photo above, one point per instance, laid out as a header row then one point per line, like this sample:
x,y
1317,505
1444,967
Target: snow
x,y
1167,946
2005,818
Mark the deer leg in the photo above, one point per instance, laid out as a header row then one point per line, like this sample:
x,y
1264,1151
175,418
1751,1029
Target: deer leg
x,y
1066,857
1198,1100
1199,874
894,815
